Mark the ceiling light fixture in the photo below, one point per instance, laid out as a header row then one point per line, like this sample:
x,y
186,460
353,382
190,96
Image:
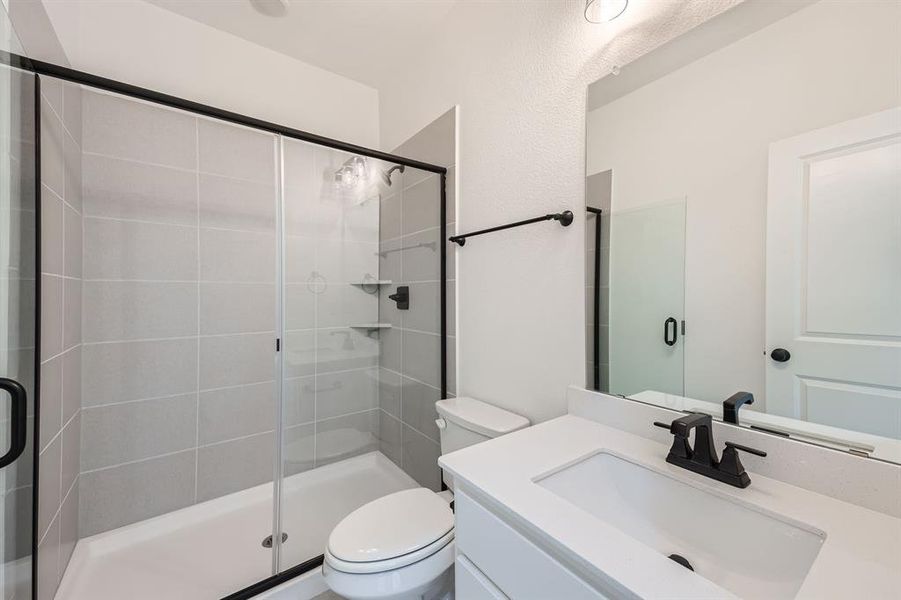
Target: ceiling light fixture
x,y
601,11
271,8
353,172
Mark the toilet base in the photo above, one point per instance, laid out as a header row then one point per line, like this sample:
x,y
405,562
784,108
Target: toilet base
x,y
413,582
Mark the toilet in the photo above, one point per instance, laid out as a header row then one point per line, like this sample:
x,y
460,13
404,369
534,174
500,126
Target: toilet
x,y
401,546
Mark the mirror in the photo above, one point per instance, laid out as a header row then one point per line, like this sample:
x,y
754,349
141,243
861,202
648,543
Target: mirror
x,y
743,223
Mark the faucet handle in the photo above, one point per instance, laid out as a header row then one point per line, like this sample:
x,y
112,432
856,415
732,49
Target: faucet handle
x,y
731,466
680,447
747,449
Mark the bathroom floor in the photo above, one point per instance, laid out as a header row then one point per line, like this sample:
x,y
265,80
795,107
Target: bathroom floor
x,y
212,549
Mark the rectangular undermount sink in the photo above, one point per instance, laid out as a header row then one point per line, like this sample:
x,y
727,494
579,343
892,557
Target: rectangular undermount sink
x,y
750,552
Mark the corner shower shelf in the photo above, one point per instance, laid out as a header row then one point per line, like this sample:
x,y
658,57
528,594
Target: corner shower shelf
x,y
371,326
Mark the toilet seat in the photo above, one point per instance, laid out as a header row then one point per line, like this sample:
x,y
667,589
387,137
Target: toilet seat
x,y
380,566
392,532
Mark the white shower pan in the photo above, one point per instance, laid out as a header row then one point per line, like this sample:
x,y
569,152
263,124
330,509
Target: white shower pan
x,y
209,550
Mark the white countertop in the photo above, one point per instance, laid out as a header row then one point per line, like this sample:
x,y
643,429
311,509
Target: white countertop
x,y
860,558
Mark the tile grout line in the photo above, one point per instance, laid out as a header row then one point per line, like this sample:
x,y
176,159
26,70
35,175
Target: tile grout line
x,y
411,233
140,460
58,514
62,99
226,441
198,225
65,202
197,307
65,318
177,337
196,170
55,356
183,281
224,388
59,435
81,378
139,400
220,281
419,381
178,394
403,424
234,439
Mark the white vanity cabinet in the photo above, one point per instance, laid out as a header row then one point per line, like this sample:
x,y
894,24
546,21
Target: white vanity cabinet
x,y
495,561
472,584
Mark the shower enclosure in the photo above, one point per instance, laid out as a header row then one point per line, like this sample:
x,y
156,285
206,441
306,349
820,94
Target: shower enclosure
x,y
232,311
18,340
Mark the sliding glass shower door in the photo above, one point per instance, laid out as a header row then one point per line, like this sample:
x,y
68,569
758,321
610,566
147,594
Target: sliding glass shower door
x,y
255,329
344,301
17,324
647,299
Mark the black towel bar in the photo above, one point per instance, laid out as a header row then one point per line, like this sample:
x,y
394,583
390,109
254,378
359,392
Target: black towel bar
x,y
565,218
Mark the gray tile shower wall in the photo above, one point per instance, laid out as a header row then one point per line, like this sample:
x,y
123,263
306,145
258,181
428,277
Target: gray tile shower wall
x,y
61,331
179,310
410,360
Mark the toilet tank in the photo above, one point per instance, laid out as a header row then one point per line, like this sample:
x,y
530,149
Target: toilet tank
x,y
466,421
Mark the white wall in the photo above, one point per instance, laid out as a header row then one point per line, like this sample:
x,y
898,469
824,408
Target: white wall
x,y
145,45
519,72
703,131
32,32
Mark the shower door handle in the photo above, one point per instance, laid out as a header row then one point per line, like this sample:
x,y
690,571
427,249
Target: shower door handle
x,y
18,420
670,331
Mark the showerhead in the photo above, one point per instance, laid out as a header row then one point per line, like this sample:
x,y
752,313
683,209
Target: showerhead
x,y
386,175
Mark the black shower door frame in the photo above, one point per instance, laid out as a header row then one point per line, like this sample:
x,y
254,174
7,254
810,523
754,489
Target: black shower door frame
x,y
40,68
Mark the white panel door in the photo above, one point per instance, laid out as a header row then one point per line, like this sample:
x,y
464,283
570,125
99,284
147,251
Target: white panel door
x,y
834,275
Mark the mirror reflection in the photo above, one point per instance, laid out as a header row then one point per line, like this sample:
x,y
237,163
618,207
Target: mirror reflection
x,y
743,226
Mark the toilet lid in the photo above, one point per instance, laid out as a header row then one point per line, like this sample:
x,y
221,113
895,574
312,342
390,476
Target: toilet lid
x,y
391,526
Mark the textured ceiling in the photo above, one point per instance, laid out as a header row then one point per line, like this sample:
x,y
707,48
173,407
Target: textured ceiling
x,y
360,39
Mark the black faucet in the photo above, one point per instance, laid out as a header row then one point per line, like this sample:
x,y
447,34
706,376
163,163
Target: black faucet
x,y
733,403
702,458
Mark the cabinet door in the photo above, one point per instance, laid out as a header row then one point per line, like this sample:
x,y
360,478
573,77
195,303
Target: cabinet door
x,y
519,568
472,584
